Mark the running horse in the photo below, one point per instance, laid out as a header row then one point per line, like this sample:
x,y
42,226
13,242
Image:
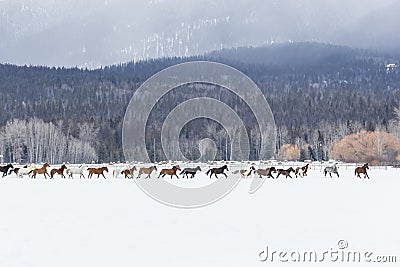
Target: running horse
x,y
147,171
78,170
128,173
363,170
285,172
20,172
216,171
266,172
301,171
245,173
42,170
4,169
191,171
331,169
59,171
170,172
98,171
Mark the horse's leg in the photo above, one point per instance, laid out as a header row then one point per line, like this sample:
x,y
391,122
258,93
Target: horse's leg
x,y
337,174
330,174
366,174
103,175
215,175
226,176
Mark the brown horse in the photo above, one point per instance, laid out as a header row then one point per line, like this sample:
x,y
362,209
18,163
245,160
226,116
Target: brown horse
x,y
147,171
301,171
42,170
59,171
216,171
266,172
363,170
171,172
128,173
98,171
285,172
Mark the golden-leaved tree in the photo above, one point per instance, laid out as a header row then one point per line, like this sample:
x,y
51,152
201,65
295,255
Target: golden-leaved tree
x,y
366,146
289,152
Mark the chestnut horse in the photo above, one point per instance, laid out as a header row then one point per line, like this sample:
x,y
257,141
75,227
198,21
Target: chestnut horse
x,y
147,171
128,173
42,170
98,171
363,170
216,171
171,172
59,171
301,171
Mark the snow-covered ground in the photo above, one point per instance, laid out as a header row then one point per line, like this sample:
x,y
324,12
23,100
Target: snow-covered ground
x,y
111,222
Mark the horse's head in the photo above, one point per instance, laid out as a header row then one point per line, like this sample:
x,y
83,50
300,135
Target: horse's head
x,y
177,168
155,168
291,169
225,167
10,166
106,169
46,165
198,168
366,166
252,168
272,169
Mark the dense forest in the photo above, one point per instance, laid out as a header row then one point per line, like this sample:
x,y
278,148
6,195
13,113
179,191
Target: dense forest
x,y
318,94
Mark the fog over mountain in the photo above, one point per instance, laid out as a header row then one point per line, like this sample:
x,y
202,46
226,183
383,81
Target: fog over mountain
x,y
93,33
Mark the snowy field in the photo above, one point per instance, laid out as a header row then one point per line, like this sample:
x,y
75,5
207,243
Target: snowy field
x,y
111,222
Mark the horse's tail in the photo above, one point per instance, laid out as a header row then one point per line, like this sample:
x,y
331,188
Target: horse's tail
x,y
182,172
30,172
208,171
355,171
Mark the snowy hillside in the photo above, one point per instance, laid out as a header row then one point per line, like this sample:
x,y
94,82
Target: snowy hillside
x,y
93,33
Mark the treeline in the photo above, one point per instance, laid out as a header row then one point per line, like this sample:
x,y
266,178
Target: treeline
x,y
315,103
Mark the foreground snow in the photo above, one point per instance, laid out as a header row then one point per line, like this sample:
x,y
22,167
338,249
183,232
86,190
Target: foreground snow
x,y
111,222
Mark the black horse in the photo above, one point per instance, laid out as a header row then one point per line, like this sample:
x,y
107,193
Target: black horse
x,y
191,171
285,172
216,171
4,169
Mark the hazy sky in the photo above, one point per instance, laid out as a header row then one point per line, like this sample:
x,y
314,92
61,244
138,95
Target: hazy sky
x,y
92,33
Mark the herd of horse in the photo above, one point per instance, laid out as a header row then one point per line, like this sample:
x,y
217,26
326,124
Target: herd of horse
x,y
32,171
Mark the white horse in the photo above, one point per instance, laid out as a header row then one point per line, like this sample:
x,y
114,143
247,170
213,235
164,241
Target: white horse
x,y
26,170
118,170
78,170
